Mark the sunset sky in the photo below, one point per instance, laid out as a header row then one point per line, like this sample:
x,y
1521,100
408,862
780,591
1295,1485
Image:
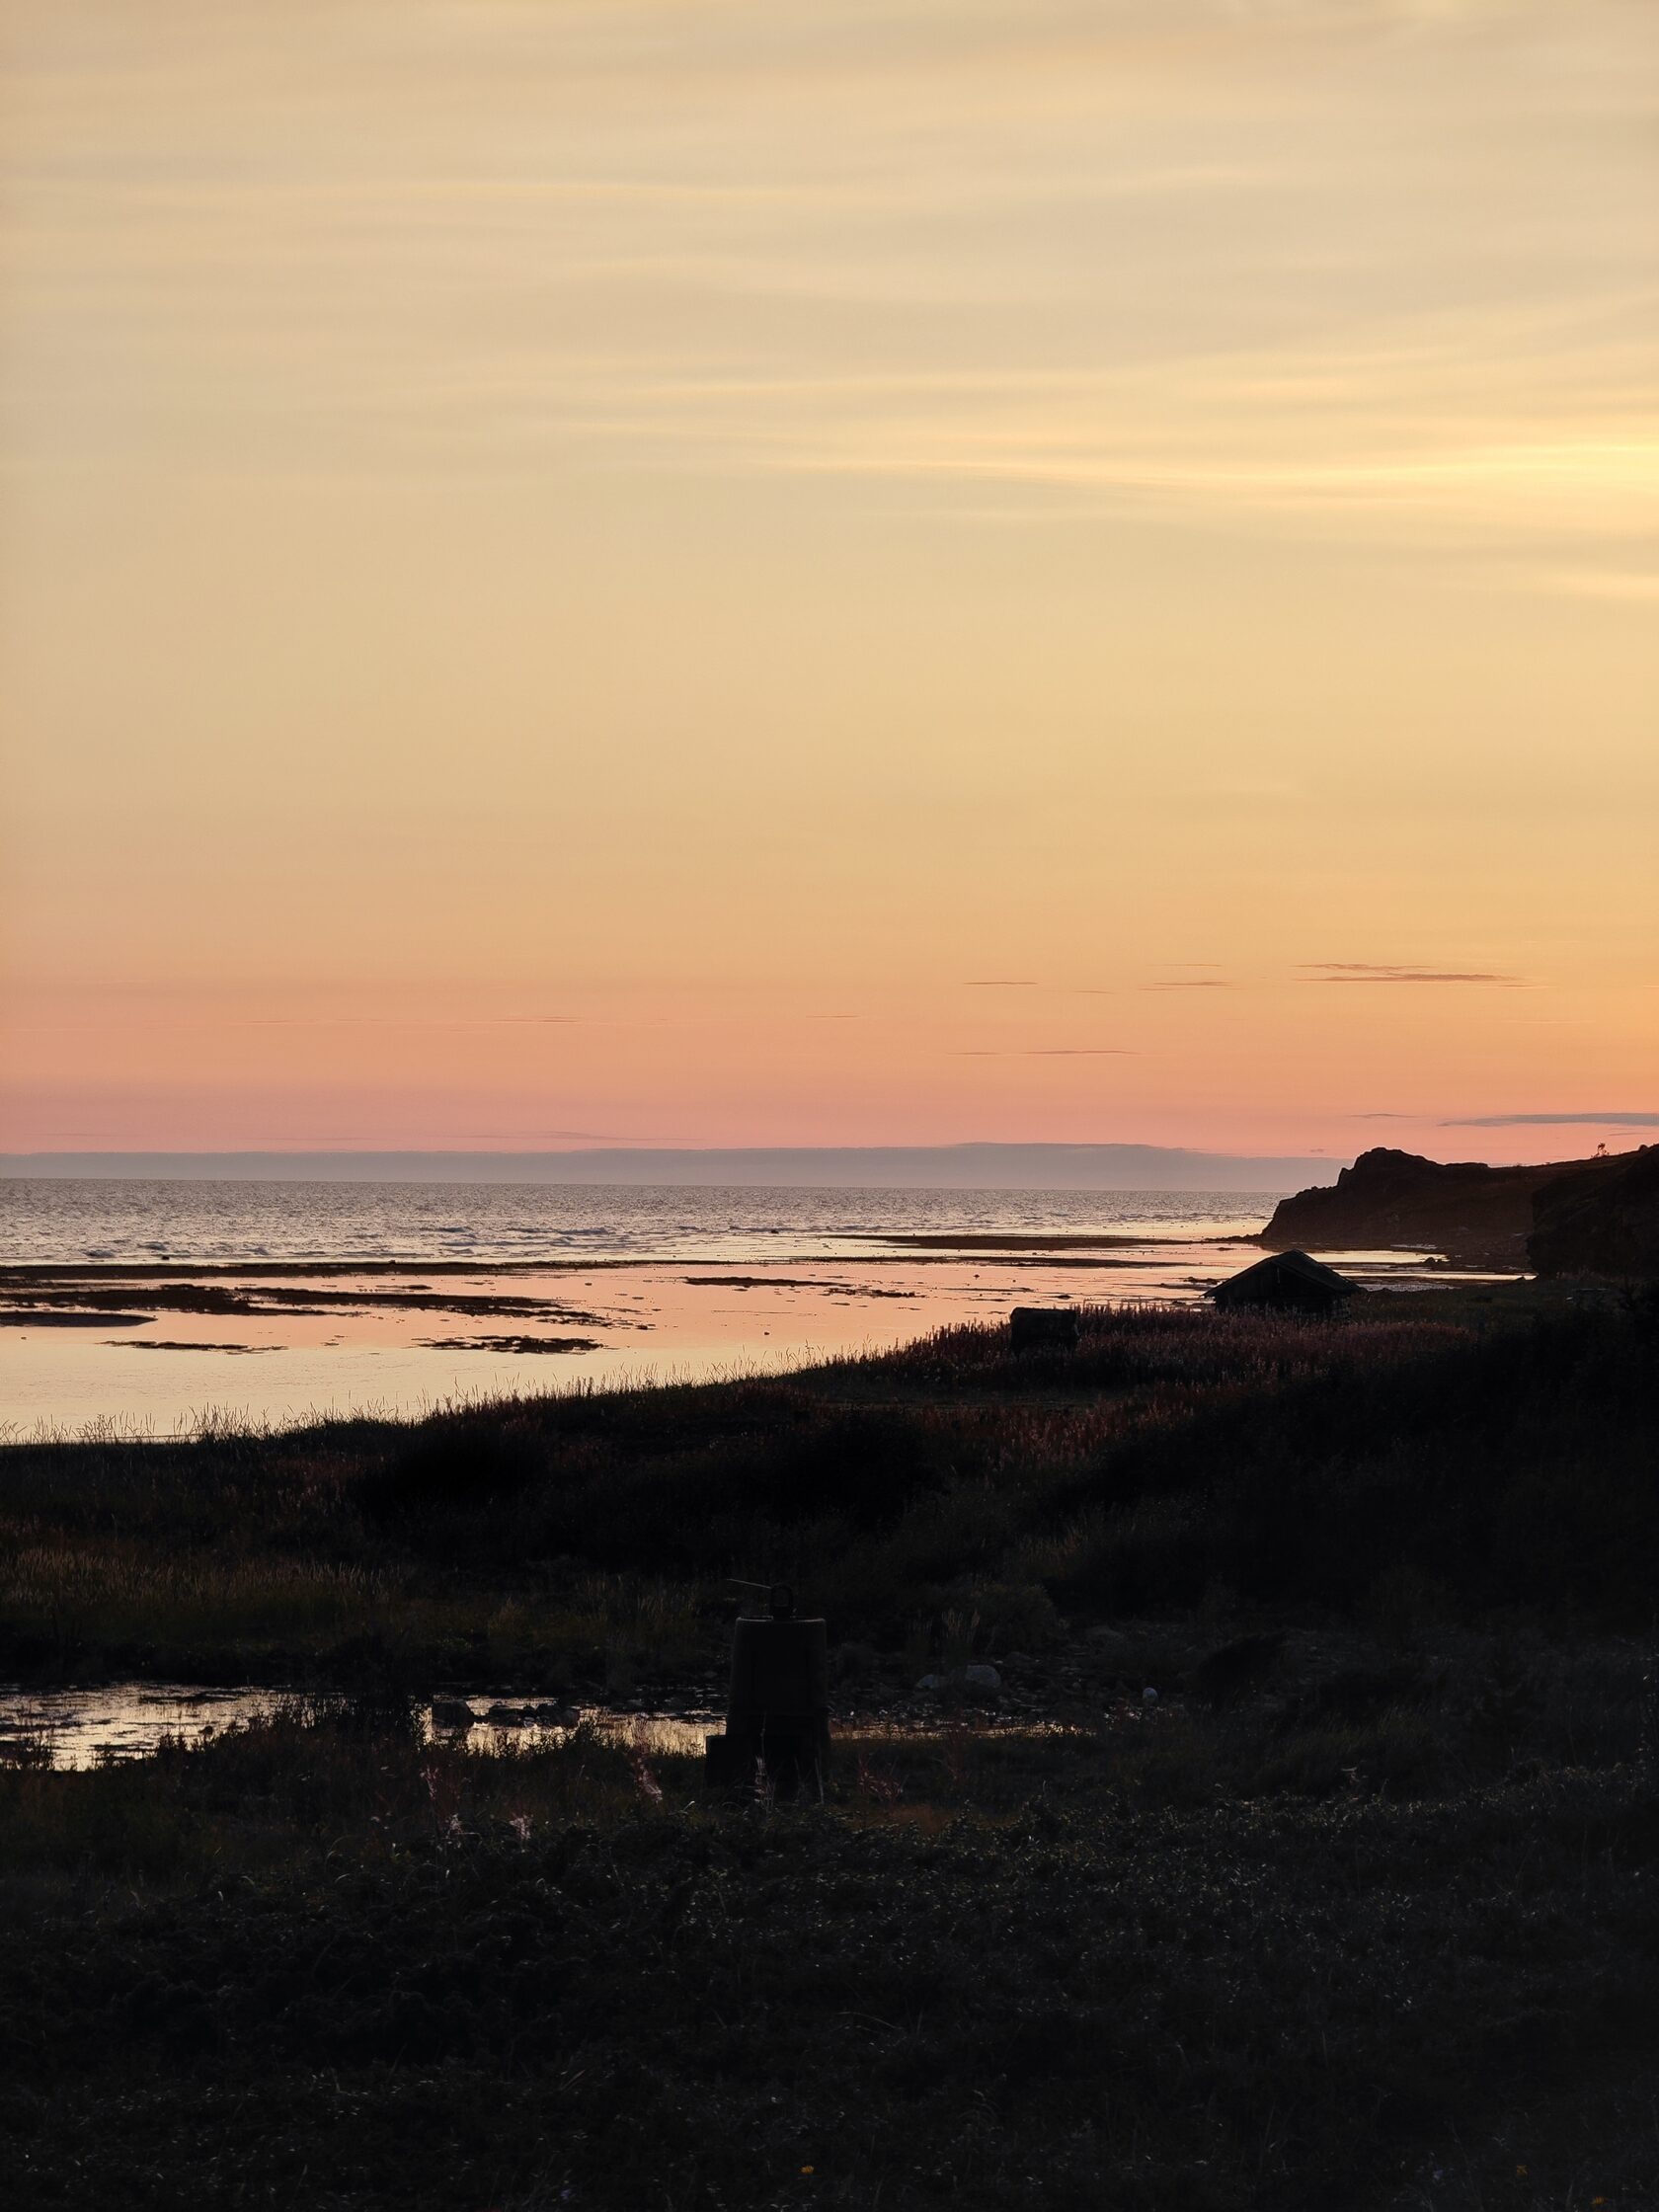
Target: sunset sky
x,y
830,572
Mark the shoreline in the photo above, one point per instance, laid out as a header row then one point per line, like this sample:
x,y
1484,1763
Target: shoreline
x,y
925,1251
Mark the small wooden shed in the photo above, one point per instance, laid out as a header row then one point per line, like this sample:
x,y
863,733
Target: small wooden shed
x,y
1286,1283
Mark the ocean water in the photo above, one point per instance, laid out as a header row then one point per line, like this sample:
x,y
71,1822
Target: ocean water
x,y
163,1307
84,1219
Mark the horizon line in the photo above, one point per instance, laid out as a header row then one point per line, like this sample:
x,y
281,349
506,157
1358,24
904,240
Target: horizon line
x,y
990,1164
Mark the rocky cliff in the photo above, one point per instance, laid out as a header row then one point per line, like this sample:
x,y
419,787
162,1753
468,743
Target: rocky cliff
x,y
1600,1218
1473,1213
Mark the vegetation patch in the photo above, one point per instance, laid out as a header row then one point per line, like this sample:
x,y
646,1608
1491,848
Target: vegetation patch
x,y
1298,1850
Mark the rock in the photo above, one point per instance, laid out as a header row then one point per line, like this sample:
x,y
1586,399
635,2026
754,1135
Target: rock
x,y
978,1677
1148,1696
1020,1659
1032,1328
1469,1211
451,1712
506,1716
1600,1219
1106,1639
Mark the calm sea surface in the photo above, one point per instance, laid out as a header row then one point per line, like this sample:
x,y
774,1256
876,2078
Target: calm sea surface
x,y
165,1305
88,1220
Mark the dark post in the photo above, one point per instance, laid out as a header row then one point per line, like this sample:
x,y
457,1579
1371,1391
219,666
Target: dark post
x,y
777,1712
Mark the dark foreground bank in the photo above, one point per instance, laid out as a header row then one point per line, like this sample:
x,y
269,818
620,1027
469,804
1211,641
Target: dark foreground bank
x,y
1194,1965
1358,1912
1449,1454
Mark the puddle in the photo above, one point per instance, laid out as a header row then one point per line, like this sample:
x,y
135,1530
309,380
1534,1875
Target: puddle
x,y
123,1720
83,1728
499,1724
93,1727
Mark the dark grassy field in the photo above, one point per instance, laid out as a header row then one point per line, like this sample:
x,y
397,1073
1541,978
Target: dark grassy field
x,y
1175,1962
1365,1919
1385,1462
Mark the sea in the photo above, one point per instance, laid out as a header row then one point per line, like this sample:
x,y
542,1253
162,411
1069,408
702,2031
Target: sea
x,y
132,1307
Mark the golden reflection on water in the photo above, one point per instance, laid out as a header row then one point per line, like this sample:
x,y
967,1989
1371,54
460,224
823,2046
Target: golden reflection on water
x,y
78,1729
74,1730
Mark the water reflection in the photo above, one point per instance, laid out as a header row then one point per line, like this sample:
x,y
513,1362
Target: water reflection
x,y
77,1730
74,1730
408,1338
502,1727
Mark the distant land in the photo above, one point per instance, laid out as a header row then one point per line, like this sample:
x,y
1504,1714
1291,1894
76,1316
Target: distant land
x,y
1028,1167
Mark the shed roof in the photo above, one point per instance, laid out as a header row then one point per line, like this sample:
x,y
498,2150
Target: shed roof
x,y
1301,1266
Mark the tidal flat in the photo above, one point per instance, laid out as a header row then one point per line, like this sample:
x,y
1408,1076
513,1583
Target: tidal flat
x,y
1357,1909
406,1335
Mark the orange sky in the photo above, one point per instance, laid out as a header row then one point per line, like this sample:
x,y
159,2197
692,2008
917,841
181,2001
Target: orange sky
x,y
829,574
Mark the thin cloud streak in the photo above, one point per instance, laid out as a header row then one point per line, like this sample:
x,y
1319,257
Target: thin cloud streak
x,y
545,492
1368,972
1554,1121
1397,402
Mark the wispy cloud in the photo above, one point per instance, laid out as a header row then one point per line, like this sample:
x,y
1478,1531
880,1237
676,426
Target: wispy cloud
x,y
1397,972
1192,983
1610,1120
1631,587
690,245
1045,1052
1000,983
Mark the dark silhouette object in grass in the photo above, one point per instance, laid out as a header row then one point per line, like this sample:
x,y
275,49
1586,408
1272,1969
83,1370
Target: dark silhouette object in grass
x,y
1286,1283
777,1714
1044,1328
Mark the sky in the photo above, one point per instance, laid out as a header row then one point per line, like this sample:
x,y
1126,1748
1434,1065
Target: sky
x,y
830,572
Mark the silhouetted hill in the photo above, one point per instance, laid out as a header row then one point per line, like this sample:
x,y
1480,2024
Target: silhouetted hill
x,y
1468,1211
1600,1218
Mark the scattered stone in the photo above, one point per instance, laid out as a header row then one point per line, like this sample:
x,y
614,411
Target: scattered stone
x,y
931,1682
982,1677
1106,1639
